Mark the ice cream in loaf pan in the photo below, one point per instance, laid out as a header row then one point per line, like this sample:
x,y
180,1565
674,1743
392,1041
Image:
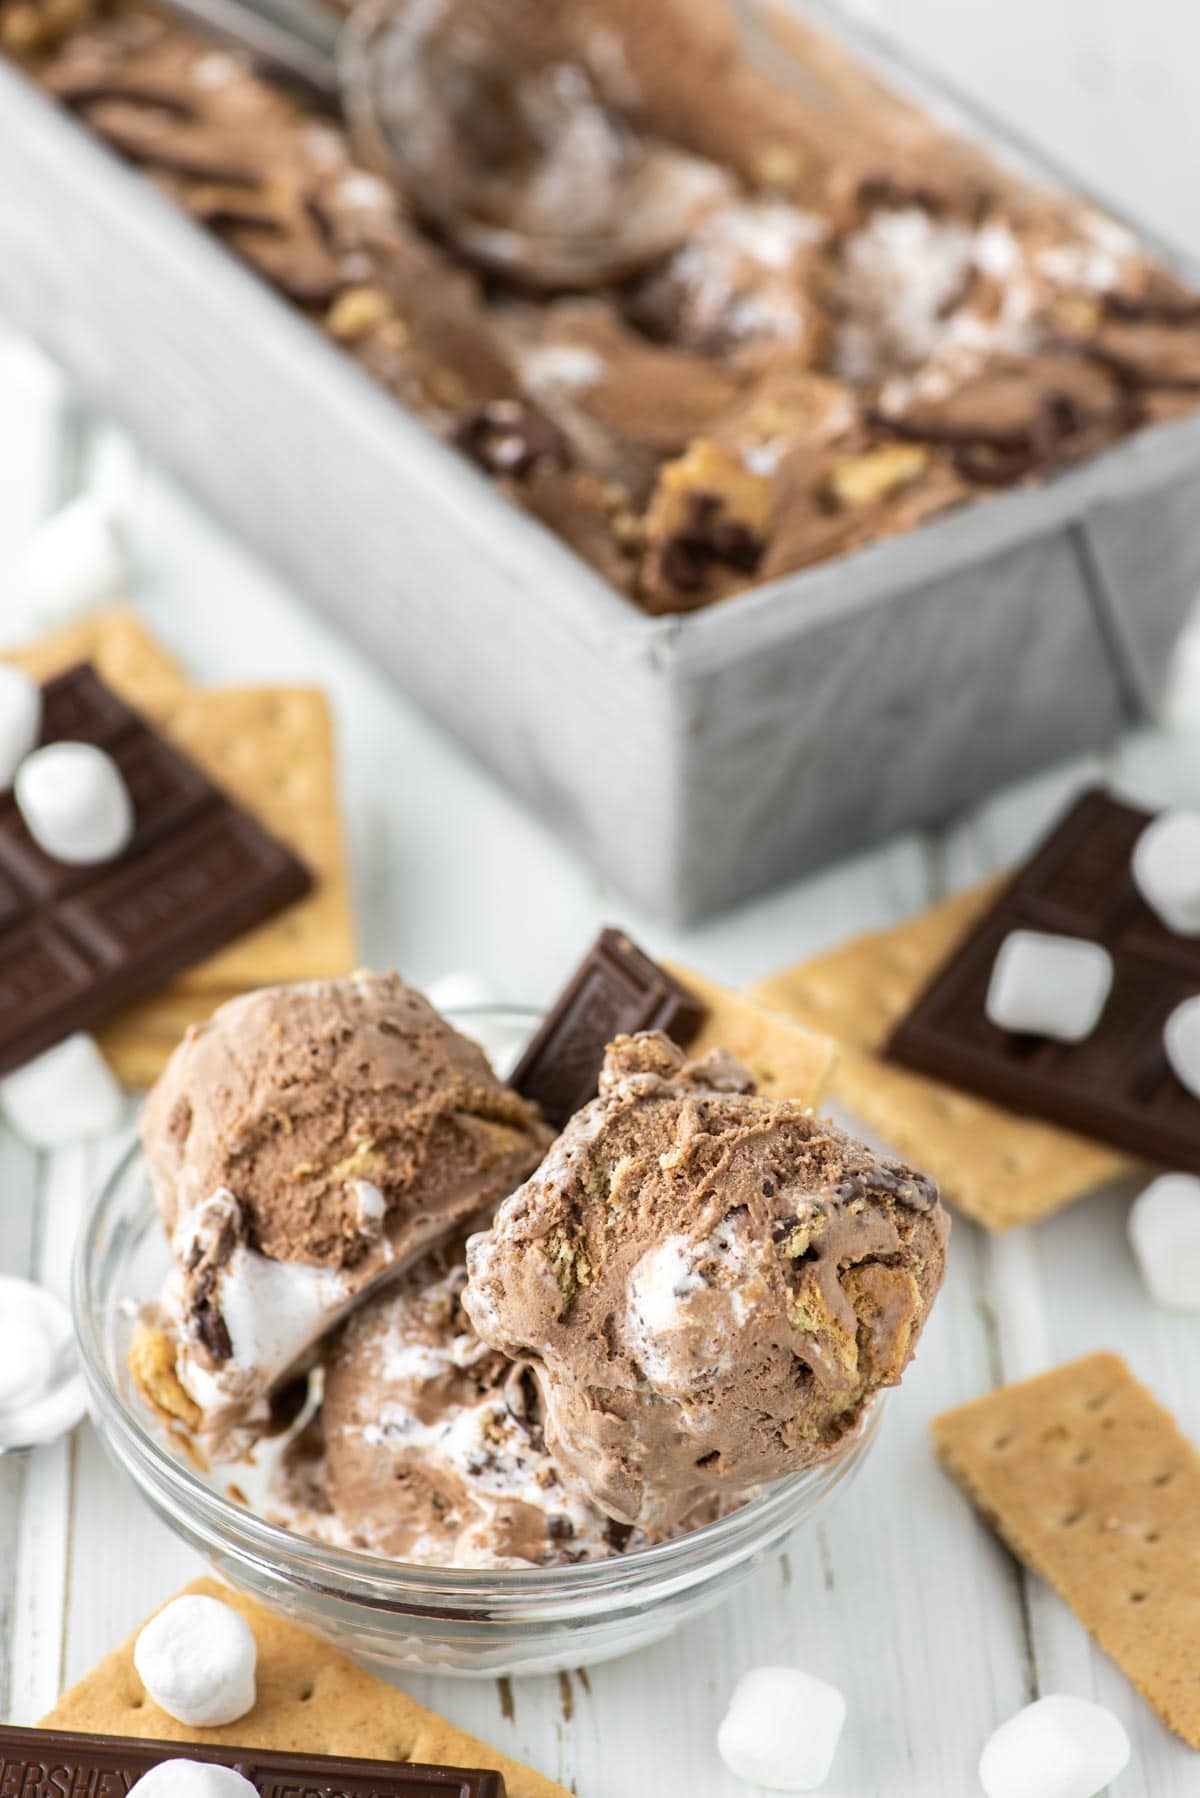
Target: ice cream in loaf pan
x,y
868,320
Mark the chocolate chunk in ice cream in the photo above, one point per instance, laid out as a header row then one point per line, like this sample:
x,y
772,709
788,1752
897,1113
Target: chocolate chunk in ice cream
x,y
304,1145
708,1285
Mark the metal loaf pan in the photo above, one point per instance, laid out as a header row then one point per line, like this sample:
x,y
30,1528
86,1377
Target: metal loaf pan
x,y
693,760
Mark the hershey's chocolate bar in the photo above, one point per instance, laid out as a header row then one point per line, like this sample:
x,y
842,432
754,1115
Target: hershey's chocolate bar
x,y
78,943
52,1763
1116,1085
615,991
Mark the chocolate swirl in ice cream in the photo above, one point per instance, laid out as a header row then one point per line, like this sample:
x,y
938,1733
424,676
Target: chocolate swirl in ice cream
x,y
709,1286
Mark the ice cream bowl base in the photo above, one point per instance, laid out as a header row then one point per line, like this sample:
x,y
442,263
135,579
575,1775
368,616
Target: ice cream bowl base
x,y
462,1621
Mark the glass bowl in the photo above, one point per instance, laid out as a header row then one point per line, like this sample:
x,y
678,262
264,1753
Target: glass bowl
x,y
438,1619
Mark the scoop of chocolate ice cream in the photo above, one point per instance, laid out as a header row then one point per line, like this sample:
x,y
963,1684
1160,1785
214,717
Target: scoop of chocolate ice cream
x,y
303,1146
708,1285
334,1112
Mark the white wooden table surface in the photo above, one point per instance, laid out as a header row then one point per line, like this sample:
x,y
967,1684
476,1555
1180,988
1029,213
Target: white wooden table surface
x,y
899,1596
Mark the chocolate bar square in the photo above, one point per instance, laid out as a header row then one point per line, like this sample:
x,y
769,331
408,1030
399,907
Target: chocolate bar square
x,y
45,1763
615,991
1116,1085
78,943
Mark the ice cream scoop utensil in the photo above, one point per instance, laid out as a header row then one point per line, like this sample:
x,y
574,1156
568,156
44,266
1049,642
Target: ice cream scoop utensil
x,y
512,128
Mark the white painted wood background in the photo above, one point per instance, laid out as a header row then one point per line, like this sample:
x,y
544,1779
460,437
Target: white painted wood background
x,y
899,1595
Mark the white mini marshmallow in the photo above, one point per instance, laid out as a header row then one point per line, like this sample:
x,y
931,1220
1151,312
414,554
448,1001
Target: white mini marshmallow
x,y
67,1093
782,1729
197,1661
76,562
1181,1040
20,720
273,1310
1044,985
42,1393
1059,1747
193,1779
75,803
1166,870
25,1350
1164,1231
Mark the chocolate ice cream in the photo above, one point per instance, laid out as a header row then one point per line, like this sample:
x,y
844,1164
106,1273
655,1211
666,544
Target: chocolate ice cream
x,y
429,1445
709,1286
305,1144
811,229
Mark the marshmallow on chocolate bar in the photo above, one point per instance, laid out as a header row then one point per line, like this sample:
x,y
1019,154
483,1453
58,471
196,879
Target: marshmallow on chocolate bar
x,y
1181,1040
1166,870
75,803
1045,985
193,1779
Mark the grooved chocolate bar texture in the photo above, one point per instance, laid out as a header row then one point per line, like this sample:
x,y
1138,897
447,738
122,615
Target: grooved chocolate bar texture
x,y
51,1763
76,944
1117,1085
615,991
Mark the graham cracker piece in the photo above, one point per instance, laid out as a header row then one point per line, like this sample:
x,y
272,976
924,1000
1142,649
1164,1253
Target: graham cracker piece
x,y
997,1167
140,1040
121,650
787,1060
272,749
311,1699
151,1363
1089,1481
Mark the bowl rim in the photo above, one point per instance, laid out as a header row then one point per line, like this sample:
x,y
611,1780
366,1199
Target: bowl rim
x,y
358,1571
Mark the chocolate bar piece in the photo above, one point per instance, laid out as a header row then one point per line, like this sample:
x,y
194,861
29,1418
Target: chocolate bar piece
x,y
78,943
615,991
44,1763
1116,1085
